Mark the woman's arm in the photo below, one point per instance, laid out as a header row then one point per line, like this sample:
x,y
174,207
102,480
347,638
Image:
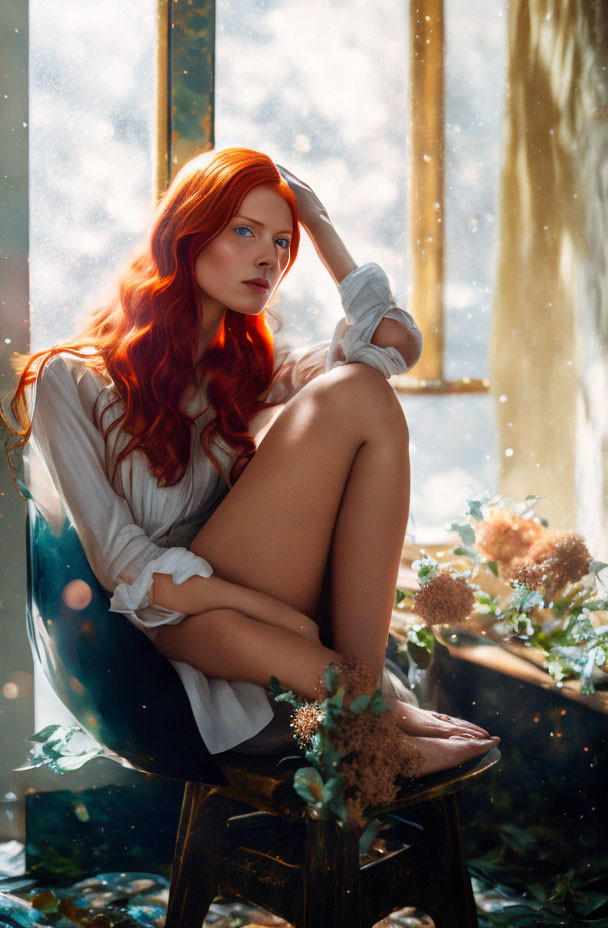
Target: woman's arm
x,y
198,595
389,333
313,216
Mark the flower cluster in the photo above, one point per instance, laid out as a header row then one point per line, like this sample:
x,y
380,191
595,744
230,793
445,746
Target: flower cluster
x,y
527,552
553,598
444,598
375,755
504,537
551,564
359,755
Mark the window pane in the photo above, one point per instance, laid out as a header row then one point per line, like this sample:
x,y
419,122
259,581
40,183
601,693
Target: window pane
x,y
475,86
92,122
452,457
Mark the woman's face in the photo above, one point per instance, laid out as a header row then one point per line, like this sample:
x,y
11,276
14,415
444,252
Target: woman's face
x,y
253,246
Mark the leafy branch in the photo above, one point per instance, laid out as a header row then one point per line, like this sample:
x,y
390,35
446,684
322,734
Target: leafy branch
x,y
322,784
574,647
65,749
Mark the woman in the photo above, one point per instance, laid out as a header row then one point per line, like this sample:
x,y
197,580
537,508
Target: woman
x,y
225,493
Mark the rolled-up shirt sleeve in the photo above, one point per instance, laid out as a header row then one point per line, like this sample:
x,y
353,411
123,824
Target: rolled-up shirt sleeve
x,y
367,300
121,555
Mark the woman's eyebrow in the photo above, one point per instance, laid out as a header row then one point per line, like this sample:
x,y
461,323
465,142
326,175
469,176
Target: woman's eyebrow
x,y
256,222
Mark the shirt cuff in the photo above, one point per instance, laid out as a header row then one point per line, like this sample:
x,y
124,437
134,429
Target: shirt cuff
x,y
367,299
180,564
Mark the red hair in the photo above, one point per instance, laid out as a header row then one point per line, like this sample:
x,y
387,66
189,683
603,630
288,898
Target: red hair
x,y
144,338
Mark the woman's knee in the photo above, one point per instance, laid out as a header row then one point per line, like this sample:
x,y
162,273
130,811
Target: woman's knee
x,y
360,394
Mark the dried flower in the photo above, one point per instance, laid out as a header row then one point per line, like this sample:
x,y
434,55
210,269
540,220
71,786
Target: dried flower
x,y
305,722
444,599
377,756
504,536
552,563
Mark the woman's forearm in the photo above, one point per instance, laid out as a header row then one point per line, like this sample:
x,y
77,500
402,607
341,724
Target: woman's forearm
x,y
201,594
330,248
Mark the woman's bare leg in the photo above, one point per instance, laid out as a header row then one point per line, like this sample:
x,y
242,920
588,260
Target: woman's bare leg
x,y
330,479
224,643
293,506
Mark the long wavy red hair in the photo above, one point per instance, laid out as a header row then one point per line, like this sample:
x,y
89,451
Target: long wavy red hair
x,y
144,338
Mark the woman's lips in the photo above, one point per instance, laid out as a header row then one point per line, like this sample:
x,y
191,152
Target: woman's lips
x,y
257,287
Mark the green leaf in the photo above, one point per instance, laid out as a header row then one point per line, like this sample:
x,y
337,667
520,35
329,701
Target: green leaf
x,y
464,529
421,657
333,795
275,686
538,891
488,604
368,835
331,678
45,734
331,712
290,697
524,599
492,566
596,567
474,507
77,761
463,551
517,838
305,780
360,704
426,568
400,595
422,636
597,605
582,629
337,699
332,756
378,704
590,903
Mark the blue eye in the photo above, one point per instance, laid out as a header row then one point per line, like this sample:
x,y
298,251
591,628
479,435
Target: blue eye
x,y
282,242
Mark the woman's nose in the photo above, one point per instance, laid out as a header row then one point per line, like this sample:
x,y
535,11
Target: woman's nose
x,y
267,255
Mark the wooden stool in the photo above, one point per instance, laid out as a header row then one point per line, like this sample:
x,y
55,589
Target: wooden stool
x,y
307,870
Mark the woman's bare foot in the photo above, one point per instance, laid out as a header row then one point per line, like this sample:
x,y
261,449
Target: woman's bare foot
x,y
428,724
445,753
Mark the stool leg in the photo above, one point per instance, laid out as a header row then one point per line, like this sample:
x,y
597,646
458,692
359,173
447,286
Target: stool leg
x,y
331,876
463,892
445,890
189,894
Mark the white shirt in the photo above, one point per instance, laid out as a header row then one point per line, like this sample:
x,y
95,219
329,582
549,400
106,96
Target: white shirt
x,y
134,528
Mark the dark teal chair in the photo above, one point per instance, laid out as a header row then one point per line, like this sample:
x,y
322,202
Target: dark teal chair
x,y
103,669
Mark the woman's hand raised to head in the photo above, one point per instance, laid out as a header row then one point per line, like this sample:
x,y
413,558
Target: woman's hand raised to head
x,y
313,216
310,208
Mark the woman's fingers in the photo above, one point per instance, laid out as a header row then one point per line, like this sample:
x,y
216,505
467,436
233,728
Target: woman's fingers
x,y
290,177
309,205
